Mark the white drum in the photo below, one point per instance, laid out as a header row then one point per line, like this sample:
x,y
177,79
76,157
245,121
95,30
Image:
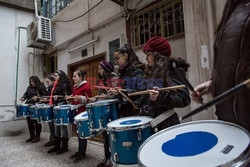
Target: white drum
x,y
200,143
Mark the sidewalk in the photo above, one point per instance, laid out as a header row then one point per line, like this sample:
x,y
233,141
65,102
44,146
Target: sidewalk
x,y
15,152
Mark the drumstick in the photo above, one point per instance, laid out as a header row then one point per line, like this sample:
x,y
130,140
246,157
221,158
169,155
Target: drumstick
x,y
161,89
105,87
124,95
186,81
225,95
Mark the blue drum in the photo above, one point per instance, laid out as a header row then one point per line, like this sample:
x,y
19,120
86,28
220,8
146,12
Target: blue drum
x,y
33,112
125,136
82,123
22,110
100,113
64,115
45,113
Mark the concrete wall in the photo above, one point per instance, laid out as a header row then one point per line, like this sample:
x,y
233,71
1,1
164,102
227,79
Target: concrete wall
x,y
27,5
13,44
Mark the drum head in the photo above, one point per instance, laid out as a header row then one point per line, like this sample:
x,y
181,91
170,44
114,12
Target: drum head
x,y
82,116
198,143
102,102
129,122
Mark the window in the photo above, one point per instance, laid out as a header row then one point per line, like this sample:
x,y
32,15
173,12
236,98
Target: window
x,y
113,45
163,19
50,64
54,6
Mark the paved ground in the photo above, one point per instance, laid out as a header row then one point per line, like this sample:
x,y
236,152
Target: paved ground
x,y
14,152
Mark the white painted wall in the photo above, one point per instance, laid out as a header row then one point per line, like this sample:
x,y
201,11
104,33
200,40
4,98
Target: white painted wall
x,y
11,19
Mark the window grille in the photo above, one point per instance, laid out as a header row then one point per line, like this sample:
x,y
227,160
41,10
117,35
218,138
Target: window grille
x,y
163,19
54,6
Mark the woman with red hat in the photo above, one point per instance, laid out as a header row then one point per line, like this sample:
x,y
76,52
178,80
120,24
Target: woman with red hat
x,y
159,69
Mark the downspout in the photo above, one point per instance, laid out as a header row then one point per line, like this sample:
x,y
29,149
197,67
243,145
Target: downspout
x,y
17,61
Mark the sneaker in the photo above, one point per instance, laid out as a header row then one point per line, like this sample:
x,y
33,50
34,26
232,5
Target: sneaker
x,y
79,158
74,155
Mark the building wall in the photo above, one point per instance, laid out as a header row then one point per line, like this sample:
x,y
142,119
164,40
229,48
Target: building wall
x,y
13,44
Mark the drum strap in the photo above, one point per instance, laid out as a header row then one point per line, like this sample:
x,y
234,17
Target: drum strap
x,y
165,115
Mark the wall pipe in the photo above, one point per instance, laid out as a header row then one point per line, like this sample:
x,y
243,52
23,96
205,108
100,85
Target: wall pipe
x,y
17,61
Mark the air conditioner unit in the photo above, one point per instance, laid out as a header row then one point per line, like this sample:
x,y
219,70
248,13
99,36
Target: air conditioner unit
x,y
39,33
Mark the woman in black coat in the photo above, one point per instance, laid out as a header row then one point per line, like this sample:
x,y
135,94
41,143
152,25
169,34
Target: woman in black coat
x,y
35,89
159,73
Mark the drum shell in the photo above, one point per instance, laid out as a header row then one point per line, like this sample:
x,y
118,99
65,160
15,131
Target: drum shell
x,y
125,141
101,113
63,115
82,124
22,110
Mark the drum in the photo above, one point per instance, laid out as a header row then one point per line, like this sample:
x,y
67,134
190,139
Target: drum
x,y
22,110
33,112
199,143
82,123
126,135
100,113
45,113
63,115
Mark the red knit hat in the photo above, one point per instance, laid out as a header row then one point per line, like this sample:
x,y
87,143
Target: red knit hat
x,y
158,44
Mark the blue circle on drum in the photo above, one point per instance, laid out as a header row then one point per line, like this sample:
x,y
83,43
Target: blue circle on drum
x,y
85,115
190,144
130,122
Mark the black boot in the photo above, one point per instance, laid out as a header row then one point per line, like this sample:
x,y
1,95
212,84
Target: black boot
x,y
51,141
64,146
31,138
57,145
36,139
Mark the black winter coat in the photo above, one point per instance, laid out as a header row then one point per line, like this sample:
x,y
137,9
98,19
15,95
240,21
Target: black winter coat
x,y
32,91
129,75
232,66
167,100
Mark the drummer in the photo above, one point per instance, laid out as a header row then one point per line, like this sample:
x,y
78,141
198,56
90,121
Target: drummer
x,y
36,88
61,88
81,92
158,52
49,80
106,77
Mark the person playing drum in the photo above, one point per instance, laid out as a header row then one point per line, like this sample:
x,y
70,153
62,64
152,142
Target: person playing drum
x,y
57,97
36,88
231,64
158,52
81,92
50,79
106,77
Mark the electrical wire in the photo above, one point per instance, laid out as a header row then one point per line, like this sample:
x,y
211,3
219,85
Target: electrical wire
x,y
80,15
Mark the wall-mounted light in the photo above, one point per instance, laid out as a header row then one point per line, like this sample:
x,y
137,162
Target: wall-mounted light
x,y
91,42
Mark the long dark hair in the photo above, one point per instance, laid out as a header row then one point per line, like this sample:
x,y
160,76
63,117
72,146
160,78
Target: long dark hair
x,y
133,59
159,70
36,81
63,78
